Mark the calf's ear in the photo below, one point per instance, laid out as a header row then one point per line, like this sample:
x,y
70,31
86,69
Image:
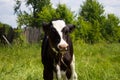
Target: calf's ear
x,y
45,26
71,27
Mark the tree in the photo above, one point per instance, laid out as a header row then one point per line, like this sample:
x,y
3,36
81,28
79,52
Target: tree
x,y
64,13
24,19
90,20
36,5
47,14
91,10
83,29
112,28
61,12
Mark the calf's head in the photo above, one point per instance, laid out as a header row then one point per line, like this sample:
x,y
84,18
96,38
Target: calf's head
x,y
57,32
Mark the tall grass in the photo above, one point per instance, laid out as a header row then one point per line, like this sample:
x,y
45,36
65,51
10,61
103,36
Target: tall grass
x,y
20,63
98,61
93,62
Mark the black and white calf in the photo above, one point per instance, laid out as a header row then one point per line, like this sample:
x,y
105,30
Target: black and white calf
x,y
57,51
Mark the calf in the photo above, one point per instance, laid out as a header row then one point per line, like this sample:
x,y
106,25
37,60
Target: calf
x,y
57,51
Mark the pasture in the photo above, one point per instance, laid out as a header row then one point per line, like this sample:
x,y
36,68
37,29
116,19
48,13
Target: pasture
x,y
93,62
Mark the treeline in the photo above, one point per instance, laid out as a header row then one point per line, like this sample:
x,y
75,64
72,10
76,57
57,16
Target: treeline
x,y
93,25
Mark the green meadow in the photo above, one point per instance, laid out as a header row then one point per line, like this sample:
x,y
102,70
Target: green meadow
x,y
93,62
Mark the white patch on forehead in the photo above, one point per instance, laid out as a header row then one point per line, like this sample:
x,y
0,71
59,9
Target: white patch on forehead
x,y
58,25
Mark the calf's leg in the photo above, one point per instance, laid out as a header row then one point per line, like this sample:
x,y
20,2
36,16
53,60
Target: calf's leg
x,y
72,66
47,74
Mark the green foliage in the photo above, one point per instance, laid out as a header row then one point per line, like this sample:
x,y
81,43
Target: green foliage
x,y
24,19
32,18
91,10
89,32
89,21
112,28
47,14
1,24
61,12
64,13
6,31
19,38
94,27
5,28
37,5
83,29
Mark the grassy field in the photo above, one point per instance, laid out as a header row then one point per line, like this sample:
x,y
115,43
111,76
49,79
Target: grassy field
x,y
93,62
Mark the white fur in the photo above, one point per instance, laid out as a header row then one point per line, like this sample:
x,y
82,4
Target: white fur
x,y
74,74
61,75
59,25
58,72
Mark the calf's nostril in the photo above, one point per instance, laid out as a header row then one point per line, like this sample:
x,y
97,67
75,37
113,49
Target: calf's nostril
x,y
63,47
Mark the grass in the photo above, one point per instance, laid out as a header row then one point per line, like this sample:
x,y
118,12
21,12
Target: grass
x,y
20,63
93,62
98,62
